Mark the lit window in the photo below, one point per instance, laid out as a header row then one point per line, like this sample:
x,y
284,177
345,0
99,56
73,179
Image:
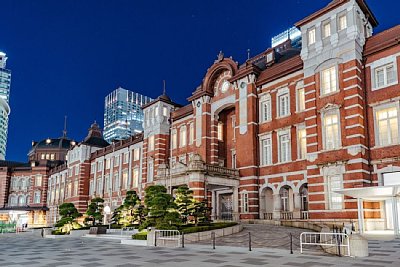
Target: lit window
x,y
265,104
387,126
335,199
327,30
220,131
135,177
151,143
283,103
43,156
125,180
302,143
38,180
174,137
328,81
342,22
311,36
52,156
136,154
36,197
156,112
182,136
191,133
266,150
165,111
331,130
385,76
284,146
150,171
300,97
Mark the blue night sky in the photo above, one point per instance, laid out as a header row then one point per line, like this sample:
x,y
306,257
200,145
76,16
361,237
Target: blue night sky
x,y
67,55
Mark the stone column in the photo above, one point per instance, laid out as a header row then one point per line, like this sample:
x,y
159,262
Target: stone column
x,y
277,206
395,216
235,201
360,215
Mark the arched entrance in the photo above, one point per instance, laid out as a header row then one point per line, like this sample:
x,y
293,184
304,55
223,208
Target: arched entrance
x,y
287,202
304,201
267,204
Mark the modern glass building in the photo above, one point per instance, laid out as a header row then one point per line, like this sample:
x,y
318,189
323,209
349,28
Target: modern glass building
x,y
5,81
123,115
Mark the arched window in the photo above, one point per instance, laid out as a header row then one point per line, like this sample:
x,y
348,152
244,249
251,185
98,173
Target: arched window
x,y
182,136
21,200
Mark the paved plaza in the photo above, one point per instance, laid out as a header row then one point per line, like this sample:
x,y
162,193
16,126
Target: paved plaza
x,y
31,250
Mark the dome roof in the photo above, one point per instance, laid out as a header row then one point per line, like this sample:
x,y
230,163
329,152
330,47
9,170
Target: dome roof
x,y
52,143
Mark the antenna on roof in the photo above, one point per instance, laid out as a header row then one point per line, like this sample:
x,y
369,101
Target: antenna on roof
x,y
164,87
248,53
65,127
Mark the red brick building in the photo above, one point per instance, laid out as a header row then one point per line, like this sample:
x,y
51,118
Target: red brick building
x,y
274,138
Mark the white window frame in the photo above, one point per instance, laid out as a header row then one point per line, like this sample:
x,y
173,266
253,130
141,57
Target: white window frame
x,y
280,135
135,183
233,158
383,63
245,202
333,88
283,92
182,136
191,133
301,149
38,180
311,36
266,149
265,108
342,25
174,138
329,112
150,170
378,109
36,197
300,97
220,131
326,29
136,154
335,205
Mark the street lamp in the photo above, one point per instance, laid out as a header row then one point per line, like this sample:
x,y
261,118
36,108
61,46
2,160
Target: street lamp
x,y
107,211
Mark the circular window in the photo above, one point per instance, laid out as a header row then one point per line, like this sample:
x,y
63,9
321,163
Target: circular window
x,y
225,86
243,85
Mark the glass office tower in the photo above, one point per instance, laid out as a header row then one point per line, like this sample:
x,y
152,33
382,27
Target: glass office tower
x,y
123,115
5,81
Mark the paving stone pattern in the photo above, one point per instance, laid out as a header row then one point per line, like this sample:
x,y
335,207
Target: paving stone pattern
x,y
30,250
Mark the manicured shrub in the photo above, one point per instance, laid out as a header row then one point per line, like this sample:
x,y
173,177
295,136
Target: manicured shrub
x,y
140,236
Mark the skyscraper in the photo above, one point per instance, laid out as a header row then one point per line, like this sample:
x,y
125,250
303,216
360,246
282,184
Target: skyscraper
x,y
5,81
123,115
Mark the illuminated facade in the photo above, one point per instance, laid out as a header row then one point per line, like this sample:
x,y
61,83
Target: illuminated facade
x,y
5,81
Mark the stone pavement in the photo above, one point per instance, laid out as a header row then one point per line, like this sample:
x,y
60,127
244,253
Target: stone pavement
x,y
30,250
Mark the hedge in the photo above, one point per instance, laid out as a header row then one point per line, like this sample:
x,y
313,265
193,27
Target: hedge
x,y
203,228
140,236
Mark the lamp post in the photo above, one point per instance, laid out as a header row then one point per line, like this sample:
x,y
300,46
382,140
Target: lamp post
x,y
107,211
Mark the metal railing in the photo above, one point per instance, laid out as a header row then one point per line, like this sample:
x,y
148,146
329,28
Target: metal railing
x,y
286,215
304,215
335,240
268,216
167,238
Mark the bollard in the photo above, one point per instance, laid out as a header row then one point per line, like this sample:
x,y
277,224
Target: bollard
x,y
291,243
249,241
338,241
183,240
213,239
155,238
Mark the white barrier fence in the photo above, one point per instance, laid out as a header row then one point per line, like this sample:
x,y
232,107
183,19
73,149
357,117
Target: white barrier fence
x,y
340,241
167,238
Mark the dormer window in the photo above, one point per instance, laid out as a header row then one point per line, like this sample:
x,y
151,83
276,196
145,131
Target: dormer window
x,y
165,111
311,36
327,30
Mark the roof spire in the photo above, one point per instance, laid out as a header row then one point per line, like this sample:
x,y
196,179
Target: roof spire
x,y
164,87
65,127
248,53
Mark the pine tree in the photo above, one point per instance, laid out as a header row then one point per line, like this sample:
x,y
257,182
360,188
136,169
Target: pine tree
x,y
95,210
184,201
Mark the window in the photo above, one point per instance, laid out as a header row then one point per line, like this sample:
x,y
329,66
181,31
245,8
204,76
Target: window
x,y
165,111
76,187
135,177
107,183
385,76
36,197
116,182
151,143
108,164
283,102
301,142
387,126
245,202
327,30
150,171
100,165
69,189
335,199
182,136
191,133
266,150
156,112
38,180
300,97
342,22
99,186
233,159
91,189
328,81
52,156
311,36
116,160
173,139
331,129
92,168
43,156
136,154
76,170
126,158
265,108
284,146
125,179
220,131
233,126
